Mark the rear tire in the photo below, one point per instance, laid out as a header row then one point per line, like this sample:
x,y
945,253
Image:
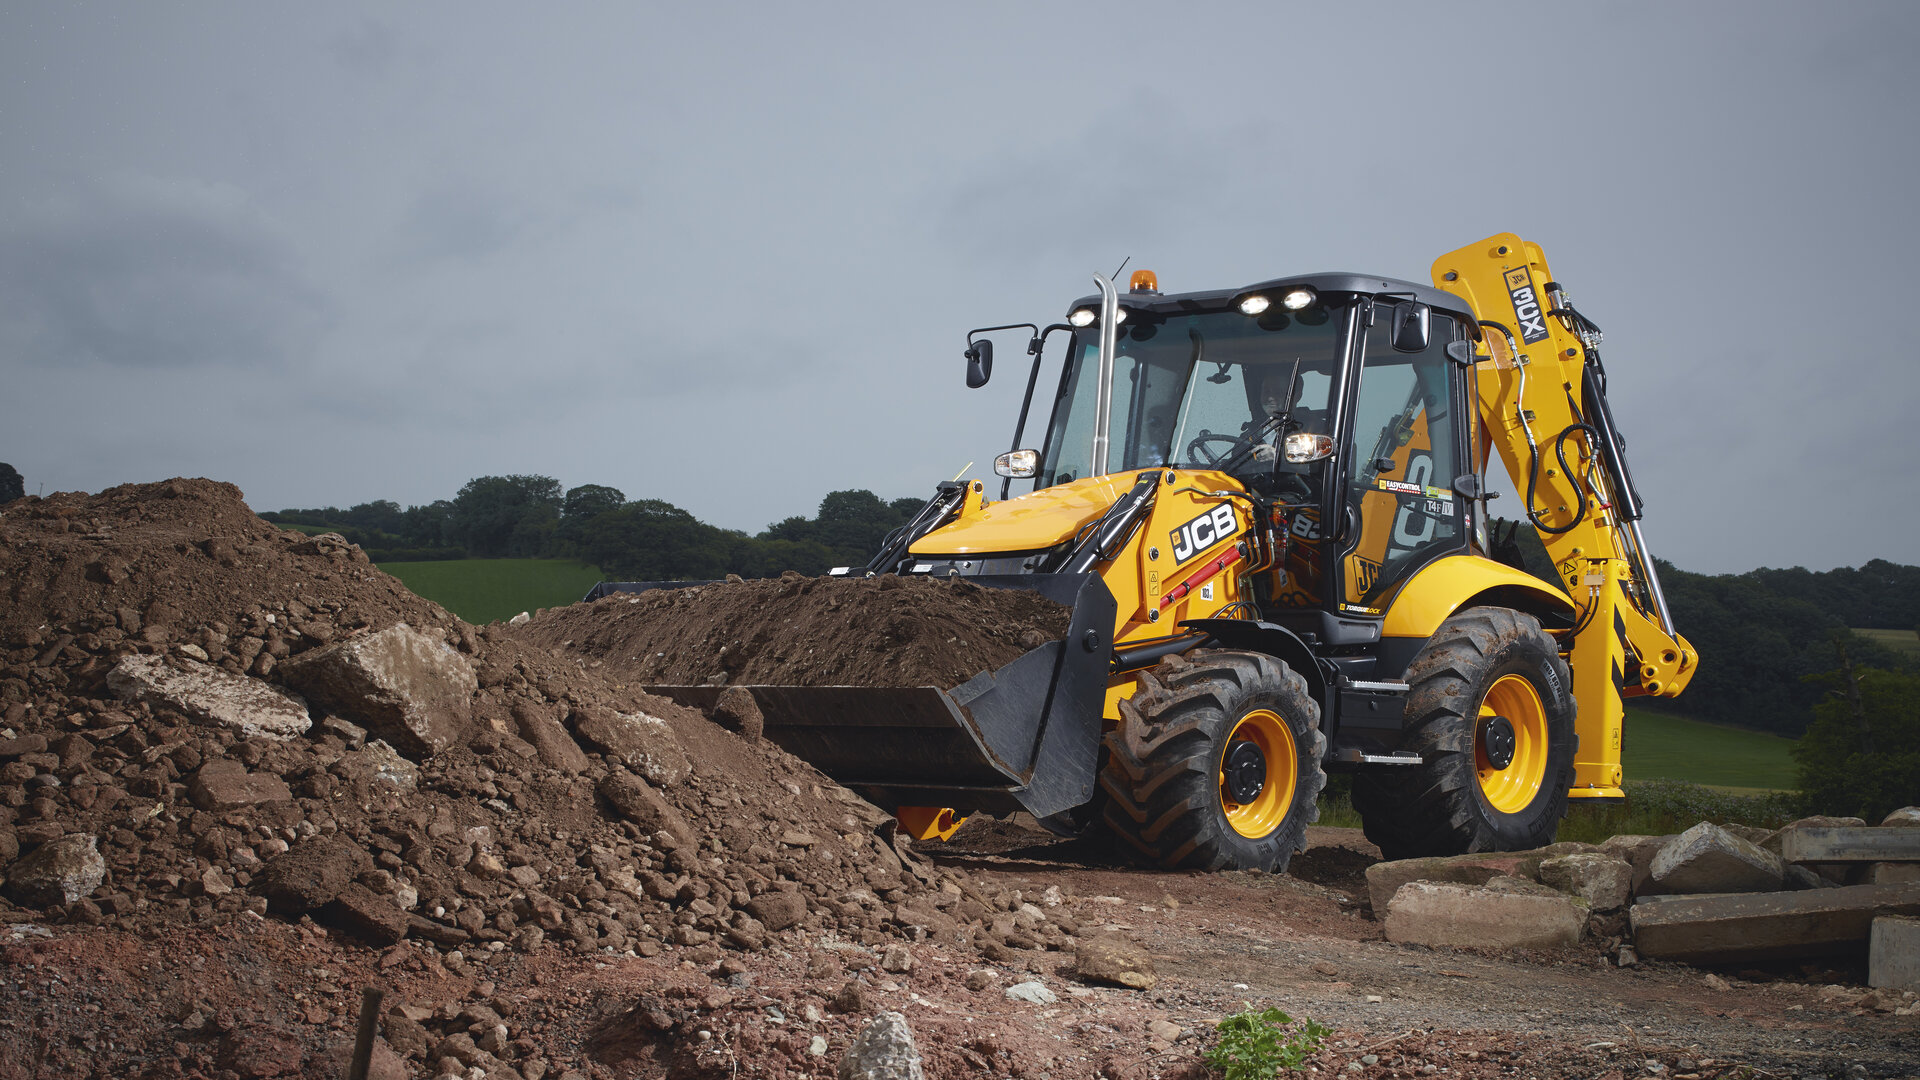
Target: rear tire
x,y
1216,763
1484,665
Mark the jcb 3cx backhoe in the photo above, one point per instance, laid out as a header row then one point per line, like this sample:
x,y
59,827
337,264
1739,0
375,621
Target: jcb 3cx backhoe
x,y
1267,510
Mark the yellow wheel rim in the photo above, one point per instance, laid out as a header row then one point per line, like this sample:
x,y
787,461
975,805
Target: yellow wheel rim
x,y
1512,789
1258,818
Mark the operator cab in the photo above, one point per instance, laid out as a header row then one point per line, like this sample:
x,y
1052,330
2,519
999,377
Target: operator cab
x,y
1333,398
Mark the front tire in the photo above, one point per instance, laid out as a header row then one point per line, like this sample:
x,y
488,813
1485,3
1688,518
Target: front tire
x,y
1490,711
1216,763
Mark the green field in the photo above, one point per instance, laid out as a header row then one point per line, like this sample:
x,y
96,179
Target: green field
x,y
1660,746
1906,641
489,590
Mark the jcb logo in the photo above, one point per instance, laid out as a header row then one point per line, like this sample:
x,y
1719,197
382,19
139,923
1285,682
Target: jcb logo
x,y
1203,532
1526,306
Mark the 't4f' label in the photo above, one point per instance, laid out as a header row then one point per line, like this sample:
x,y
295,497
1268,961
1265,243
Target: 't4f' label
x,y
1203,532
1526,305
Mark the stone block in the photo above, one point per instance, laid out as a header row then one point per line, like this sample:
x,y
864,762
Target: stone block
x,y
1747,927
224,784
778,910
540,726
883,1050
1893,953
1110,958
1384,878
1709,859
409,688
1639,851
365,913
211,696
1439,913
380,767
639,803
1893,873
1603,881
312,873
62,871
641,742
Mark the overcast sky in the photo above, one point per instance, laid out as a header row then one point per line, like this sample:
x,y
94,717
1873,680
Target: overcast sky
x,y
726,255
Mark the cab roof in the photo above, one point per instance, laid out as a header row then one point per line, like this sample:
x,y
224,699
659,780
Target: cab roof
x,y
1331,282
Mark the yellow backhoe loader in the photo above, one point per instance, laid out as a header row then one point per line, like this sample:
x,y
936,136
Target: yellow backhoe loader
x,y
1267,509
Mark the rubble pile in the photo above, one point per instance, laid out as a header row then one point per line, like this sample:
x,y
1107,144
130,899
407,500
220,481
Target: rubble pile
x,y
205,720
884,631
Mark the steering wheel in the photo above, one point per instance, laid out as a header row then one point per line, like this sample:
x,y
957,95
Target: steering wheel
x,y
1199,448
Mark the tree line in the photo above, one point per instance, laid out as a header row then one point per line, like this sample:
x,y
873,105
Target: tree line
x,y
636,540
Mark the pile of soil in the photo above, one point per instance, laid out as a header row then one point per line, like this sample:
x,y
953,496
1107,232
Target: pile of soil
x,y
798,631
513,840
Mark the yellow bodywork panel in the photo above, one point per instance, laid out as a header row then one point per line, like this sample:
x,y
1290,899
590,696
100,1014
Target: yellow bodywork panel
x,y
1031,522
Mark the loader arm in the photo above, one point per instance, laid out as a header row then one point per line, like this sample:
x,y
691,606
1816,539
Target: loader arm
x,y
1542,402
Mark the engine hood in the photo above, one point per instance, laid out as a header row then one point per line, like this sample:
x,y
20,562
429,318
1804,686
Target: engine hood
x,y
1032,522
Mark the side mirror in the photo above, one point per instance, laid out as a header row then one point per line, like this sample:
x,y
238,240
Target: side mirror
x,y
1017,464
1412,326
979,363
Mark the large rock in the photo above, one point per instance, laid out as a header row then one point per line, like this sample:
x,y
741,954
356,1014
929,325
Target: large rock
x,y
639,803
210,695
1603,881
1385,878
641,742
540,726
1709,859
1639,851
380,767
884,1050
1110,958
224,784
312,873
409,688
1439,913
778,910
1905,817
63,871
368,914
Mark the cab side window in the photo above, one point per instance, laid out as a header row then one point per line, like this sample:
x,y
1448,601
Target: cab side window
x,y
1404,457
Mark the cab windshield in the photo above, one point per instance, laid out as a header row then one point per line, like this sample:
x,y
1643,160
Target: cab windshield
x,y
1194,390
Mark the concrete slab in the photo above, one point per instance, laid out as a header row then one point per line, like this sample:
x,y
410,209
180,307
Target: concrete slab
x,y
1385,878
1767,926
1850,845
1893,953
1440,913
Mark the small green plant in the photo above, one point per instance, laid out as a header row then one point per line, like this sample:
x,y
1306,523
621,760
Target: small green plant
x,y
1256,1045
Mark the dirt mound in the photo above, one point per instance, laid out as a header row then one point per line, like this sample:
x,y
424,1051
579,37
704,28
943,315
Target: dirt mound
x,y
211,722
886,631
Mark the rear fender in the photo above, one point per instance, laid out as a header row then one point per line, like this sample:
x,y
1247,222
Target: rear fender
x,y
1458,581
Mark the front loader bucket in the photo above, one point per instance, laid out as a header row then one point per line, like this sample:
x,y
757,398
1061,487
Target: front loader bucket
x,y
1024,737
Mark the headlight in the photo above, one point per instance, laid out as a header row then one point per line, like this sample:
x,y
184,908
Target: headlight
x,y
1017,464
1303,446
1298,298
1254,305
1082,316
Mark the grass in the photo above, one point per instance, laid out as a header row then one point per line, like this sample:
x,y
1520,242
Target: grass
x,y
489,590
1662,746
1905,641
